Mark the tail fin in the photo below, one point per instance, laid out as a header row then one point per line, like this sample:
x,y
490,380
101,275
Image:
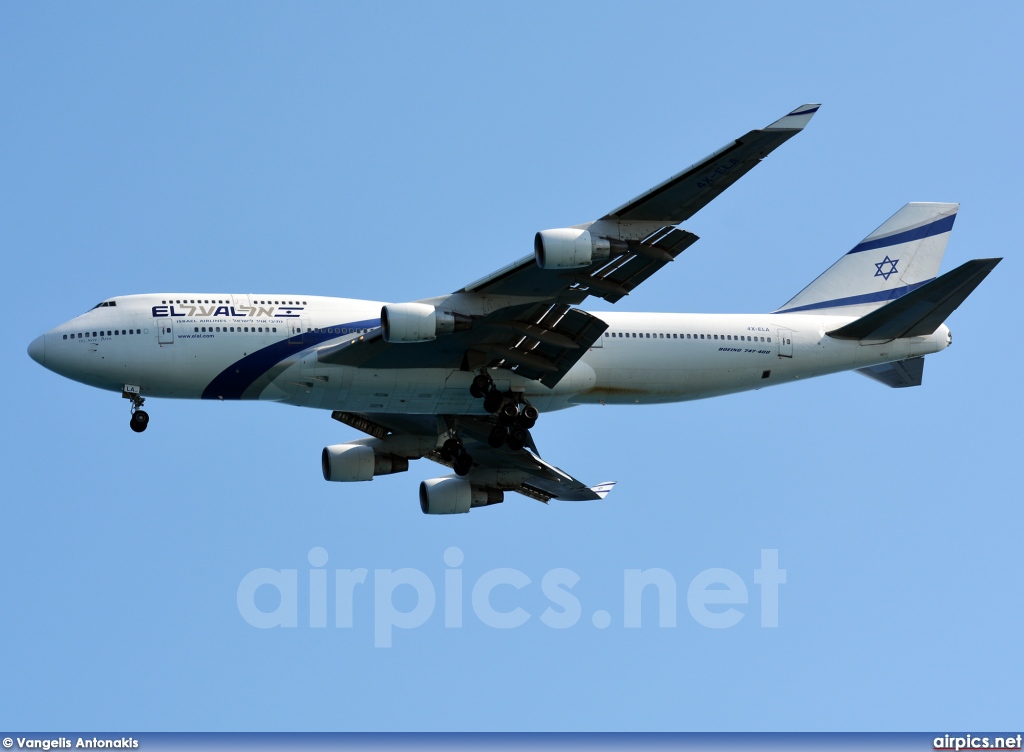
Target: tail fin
x,y
899,257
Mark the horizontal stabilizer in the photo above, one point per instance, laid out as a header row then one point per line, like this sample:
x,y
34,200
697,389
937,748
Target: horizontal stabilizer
x,y
899,374
921,311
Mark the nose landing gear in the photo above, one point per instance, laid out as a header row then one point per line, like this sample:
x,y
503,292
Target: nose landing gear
x,y
140,418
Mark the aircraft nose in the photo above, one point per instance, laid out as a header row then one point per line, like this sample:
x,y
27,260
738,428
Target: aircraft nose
x,y
37,350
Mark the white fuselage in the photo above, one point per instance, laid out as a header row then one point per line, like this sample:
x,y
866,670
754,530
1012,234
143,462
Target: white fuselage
x,y
264,347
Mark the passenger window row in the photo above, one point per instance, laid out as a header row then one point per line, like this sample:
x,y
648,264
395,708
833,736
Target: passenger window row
x,y
297,330
225,329
225,302
108,333
662,335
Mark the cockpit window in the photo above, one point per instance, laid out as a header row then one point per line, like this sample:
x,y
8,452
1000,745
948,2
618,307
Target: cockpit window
x,y
105,304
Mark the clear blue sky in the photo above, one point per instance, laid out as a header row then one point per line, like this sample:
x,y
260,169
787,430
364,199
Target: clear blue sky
x,y
397,151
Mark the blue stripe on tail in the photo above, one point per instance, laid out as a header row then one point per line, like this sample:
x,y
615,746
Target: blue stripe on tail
x,y
939,226
871,297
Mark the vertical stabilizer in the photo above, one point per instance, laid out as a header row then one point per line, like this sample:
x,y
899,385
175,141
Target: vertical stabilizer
x,y
899,257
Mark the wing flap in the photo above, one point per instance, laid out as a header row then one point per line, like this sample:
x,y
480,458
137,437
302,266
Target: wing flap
x,y
553,339
624,273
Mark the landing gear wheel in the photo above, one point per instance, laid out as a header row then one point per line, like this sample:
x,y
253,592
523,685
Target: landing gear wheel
x,y
508,414
463,464
493,401
516,439
140,418
139,421
497,436
527,417
480,387
451,450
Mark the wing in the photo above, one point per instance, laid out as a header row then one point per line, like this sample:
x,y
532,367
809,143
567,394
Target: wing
x,y
684,194
522,471
644,223
522,318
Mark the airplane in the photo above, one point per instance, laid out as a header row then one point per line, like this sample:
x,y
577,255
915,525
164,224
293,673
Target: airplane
x,y
462,378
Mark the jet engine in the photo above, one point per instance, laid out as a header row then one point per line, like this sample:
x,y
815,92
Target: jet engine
x,y
355,462
419,322
569,248
452,495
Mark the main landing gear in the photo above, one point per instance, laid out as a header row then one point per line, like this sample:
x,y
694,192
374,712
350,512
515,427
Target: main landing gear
x,y
515,416
452,450
140,418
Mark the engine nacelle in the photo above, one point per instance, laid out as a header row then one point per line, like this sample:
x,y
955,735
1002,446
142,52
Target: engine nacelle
x,y
355,462
419,322
568,248
452,495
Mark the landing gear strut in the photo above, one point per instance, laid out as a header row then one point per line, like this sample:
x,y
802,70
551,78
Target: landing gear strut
x,y
140,418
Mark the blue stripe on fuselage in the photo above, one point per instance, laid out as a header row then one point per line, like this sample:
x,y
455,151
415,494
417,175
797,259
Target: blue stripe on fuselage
x,y
232,382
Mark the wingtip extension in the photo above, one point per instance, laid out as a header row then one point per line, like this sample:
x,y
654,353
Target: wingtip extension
x,y
795,120
603,489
